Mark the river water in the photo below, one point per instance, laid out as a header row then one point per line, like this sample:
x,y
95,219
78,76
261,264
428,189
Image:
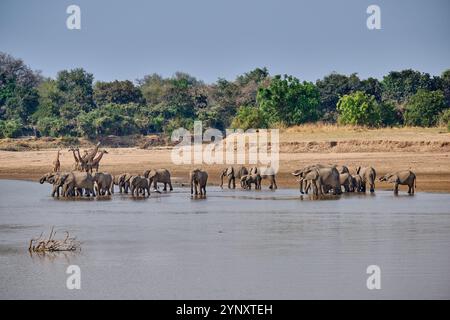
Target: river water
x,y
232,245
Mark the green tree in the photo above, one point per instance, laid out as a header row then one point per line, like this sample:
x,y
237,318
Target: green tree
x,y
423,108
76,89
53,127
110,119
359,108
18,93
372,87
444,118
50,100
119,92
334,86
248,117
398,86
11,128
445,86
288,101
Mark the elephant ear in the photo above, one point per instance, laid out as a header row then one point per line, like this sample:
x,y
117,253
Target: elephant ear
x,y
358,170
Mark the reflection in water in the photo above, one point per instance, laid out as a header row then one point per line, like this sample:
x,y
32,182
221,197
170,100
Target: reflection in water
x,y
230,244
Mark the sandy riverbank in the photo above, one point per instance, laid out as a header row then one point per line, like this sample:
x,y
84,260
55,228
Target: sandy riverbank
x,y
426,151
432,168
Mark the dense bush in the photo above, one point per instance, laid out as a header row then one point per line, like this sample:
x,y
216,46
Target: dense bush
x,y
424,107
444,118
359,109
73,105
248,117
10,128
288,101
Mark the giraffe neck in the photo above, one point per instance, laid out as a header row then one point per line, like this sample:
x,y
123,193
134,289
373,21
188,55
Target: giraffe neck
x,y
74,155
97,160
79,155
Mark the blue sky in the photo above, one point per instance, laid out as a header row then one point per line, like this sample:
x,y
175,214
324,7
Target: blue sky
x,y
224,38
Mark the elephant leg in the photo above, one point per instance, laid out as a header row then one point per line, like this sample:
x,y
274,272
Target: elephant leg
x,y
308,186
170,186
372,187
396,188
204,190
275,183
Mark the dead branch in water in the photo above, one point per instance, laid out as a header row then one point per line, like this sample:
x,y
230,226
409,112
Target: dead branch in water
x,y
50,244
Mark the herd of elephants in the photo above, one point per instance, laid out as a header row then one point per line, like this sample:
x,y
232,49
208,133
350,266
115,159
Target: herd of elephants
x,y
321,179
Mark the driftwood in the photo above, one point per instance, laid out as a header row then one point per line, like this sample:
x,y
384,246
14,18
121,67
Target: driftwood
x,y
41,244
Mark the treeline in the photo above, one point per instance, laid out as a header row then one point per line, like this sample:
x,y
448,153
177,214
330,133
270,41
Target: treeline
x,y
74,105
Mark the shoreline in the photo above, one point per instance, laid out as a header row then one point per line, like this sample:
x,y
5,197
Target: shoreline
x,y
432,168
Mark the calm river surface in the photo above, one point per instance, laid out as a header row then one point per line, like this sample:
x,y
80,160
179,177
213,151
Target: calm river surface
x,y
232,245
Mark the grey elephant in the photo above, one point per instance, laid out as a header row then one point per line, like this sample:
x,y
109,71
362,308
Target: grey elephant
x,y
159,175
329,177
116,181
342,169
250,179
269,174
346,181
77,181
199,179
356,183
312,180
57,179
139,185
368,176
404,177
229,173
104,183
240,173
124,182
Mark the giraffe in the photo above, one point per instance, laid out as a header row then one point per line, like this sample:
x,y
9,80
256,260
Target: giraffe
x,y
76,165
56,163
82,164
94,164
89,155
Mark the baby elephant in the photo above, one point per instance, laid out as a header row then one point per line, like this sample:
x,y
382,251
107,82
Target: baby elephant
x,y
249,179
405,177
